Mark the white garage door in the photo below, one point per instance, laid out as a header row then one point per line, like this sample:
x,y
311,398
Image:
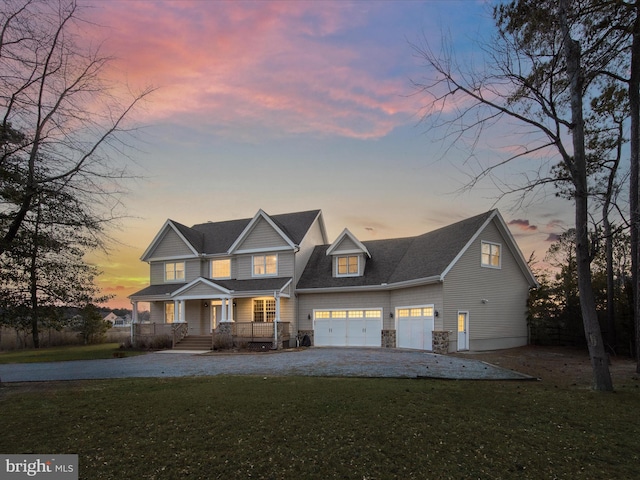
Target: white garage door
x,y
415,327
347,328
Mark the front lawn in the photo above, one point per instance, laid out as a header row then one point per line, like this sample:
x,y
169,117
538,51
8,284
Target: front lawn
x,y
324,428
66,353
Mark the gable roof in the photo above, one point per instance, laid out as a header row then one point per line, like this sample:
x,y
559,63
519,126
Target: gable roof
x,y
347,234
189,237
218,238
401,261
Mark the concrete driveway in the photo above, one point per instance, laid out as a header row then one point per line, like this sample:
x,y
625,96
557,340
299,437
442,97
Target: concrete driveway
x,y
315,361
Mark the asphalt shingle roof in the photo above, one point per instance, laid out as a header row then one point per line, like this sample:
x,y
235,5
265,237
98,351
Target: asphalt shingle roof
x,y
397,260
217,237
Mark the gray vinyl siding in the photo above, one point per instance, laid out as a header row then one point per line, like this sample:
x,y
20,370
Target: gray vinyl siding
x,y
243,311
201,290
192,270
345,245
171,245
195,316
156,314
309,242
244,265
307,303
503,318
262,236
157,273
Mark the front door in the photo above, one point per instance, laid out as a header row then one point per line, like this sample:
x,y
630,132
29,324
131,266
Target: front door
x,y
463,331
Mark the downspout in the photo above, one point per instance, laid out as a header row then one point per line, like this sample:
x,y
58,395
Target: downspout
x,y
277,319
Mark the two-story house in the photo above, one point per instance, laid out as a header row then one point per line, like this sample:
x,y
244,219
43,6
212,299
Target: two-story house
x,y
242,272
460,287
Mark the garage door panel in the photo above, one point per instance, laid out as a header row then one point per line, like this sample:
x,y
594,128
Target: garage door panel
x,y
338,331
353,328
373,332
415,330
356,333
322,333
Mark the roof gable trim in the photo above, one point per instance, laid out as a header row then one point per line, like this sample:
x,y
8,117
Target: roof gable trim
x,y
351,236
509,240
146,256
252,224
201,281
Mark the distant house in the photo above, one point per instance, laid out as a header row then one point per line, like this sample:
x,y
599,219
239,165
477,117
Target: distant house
x,y
117,321
461,287
111,317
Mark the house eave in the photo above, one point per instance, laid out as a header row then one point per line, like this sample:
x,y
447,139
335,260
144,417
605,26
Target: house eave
x,y
374,288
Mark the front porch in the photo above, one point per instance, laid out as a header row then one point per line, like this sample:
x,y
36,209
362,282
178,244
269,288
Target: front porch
x,y
227,335
231,313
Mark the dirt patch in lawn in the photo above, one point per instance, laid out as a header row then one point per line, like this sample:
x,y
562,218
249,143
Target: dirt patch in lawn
x,y
562,366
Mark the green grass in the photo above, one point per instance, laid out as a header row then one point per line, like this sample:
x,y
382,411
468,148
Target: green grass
x,y
66,353
323,428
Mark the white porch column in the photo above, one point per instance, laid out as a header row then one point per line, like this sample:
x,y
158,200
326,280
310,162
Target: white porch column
x,y
224,310
134,318
231,309
134,312
177,311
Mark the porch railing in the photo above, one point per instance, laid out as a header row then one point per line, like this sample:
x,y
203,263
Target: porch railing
x,y
259,331
179,331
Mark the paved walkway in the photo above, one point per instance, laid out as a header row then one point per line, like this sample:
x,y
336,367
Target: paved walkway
x,y
325,362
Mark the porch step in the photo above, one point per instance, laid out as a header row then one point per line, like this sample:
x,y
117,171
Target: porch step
x,y
194,342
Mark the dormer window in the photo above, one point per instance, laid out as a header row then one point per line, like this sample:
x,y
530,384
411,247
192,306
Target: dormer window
x,y
347,266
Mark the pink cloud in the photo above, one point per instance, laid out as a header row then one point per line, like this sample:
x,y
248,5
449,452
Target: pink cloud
x,y
523,225
268,64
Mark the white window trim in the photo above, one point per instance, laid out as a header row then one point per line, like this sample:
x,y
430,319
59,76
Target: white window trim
x,y
264,309
488,265
337,259
253,265
174,280
220,260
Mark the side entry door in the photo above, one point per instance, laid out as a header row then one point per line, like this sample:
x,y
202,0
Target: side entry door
x,y
463,331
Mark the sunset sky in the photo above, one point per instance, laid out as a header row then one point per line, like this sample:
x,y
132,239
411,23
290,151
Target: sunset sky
x,y
290,106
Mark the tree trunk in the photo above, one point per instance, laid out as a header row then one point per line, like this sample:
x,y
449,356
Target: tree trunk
x,y
578,168
634,186
33,283
611,314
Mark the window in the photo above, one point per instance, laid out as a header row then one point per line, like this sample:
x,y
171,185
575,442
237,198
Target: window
x,y
174,271
265,265
170,314
347,266
221,268
490,255
264,310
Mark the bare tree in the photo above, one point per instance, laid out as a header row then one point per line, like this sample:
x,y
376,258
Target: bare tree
x,y
58,113
540,78
634,189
